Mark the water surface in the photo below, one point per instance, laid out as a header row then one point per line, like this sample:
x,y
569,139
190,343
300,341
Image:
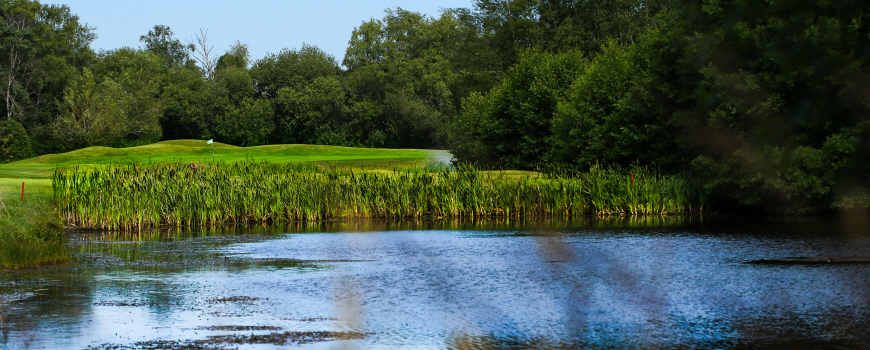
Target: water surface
x,y
674,283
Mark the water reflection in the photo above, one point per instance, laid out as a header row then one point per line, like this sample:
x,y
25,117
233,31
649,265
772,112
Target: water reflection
x,y
656,282
478,224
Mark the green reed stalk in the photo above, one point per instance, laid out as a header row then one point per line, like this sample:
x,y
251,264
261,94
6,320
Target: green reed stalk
x,y
137,195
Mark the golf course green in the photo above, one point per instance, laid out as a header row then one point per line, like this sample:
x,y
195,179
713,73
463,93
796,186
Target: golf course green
x,y
36,172
31,231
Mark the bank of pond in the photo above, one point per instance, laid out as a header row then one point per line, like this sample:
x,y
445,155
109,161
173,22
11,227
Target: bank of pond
x,y
131,196
31,233
139,195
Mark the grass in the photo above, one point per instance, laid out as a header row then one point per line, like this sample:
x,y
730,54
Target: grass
x,y
37,172
136,195
30,231
154,185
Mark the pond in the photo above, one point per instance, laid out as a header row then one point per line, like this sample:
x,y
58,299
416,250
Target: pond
x,y
603,284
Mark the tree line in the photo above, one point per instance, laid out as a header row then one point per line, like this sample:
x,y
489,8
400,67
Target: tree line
x,y
765,101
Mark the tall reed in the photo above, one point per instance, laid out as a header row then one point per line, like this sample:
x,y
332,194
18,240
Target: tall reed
x,y
138,195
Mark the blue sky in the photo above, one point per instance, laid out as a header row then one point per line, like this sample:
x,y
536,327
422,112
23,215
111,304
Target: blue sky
x,y
267,26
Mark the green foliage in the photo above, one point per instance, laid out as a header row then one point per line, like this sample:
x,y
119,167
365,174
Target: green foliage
x,y
313,115
248,123
91,113
63,47
40,47
30,234
237,57
512,126
401,64
190,102
174,194
510,27
467,132
370,129
292,69
779,90
142,76
765,99
759,97
162,42
19,43
121,100
591,124
792,180
234,84
604,118
14,142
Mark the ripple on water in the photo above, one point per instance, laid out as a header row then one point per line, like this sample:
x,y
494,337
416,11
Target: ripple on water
x,y
541,287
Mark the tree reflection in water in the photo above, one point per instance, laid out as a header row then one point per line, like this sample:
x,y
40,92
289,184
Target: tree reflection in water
x,y
546,284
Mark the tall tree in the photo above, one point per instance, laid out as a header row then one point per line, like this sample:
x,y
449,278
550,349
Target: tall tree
x,y
314,114
292,69
512,126
202,53
19,43
401,63
782,91
91,113
142,76
190,105
162,42
41,48
236,57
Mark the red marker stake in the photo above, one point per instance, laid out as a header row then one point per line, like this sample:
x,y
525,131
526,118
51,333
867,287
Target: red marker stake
x,y
632,180
22,191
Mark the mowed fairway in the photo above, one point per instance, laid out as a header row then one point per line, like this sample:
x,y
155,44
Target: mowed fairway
x,y
36,172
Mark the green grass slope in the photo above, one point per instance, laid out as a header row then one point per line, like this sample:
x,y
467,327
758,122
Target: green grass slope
x,y
30,230
36,172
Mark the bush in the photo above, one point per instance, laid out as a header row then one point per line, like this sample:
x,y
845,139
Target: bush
x,y
14,142
512,124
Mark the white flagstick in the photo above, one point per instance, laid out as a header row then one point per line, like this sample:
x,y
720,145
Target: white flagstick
x,y
211,142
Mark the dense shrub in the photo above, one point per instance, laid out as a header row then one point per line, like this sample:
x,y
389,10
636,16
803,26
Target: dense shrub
x,y
14,142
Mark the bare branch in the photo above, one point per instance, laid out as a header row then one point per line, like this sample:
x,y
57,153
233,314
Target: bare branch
x,y
202,53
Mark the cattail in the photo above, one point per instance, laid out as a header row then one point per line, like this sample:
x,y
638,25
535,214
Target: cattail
x,y
134,196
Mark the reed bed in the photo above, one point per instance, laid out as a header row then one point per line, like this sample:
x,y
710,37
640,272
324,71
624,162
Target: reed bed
x,y
128,196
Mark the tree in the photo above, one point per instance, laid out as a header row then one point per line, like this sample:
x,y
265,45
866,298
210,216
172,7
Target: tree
x,y
18,41
142,76
512,125
14,142
780,89
292,69
41,47
314,114
401,63
237,57
91,113
234,83
512,26
605,118
202,54
249,123
162,42
190,104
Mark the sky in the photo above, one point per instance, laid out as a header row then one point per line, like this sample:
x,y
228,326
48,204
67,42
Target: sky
x,y
266,26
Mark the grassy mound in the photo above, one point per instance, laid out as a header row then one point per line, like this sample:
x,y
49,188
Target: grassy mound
x,y
31,231
36,172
